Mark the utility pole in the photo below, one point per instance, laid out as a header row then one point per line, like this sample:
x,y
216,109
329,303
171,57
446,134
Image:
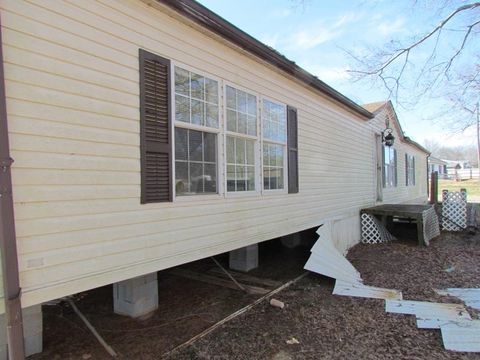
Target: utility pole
x,y
478,140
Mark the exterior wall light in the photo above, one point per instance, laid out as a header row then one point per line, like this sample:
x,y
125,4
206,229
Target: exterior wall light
x,y
387,137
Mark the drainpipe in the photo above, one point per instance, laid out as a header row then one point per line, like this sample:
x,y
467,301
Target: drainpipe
x,y
8,243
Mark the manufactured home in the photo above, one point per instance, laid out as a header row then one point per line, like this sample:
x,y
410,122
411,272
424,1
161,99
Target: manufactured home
x,y
148,134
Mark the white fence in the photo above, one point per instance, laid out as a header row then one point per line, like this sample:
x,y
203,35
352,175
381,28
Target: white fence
x,y
463,174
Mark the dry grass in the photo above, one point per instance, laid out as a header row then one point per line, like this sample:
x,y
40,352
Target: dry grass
x,y
472,186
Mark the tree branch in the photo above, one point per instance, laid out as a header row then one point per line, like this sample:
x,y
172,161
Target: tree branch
x,y
399,52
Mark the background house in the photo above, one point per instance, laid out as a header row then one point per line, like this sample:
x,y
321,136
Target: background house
x,y
438,165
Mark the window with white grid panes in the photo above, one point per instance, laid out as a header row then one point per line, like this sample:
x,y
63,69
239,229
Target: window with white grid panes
x,y
274,131
196,128
241,139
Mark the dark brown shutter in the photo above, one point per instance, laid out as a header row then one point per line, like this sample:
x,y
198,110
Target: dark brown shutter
x,y
292,144
413,166
155,129
406,169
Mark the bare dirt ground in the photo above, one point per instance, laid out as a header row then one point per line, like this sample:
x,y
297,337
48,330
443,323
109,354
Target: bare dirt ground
x,y
326,326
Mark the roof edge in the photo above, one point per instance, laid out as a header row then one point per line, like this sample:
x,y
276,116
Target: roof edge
x,y
417,145
388,104
218,25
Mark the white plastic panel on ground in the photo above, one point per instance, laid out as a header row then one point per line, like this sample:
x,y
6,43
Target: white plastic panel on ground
x,y
471,297
437,322
359,290
462,336
428,310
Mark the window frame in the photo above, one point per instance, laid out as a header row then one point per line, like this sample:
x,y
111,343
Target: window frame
x,y
221,136
285,149
393,183
257,141
217,131
410,169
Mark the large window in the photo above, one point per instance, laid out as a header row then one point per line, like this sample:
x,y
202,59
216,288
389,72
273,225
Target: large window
x,y
241,112
410,169
274,126
200,135
196,124
389,167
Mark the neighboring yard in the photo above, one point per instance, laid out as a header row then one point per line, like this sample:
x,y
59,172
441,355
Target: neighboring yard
x,y
472,186
326,326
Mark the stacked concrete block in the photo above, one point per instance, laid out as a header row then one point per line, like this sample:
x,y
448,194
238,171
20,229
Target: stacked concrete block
x,y
291,241
32,331
136,297
244,259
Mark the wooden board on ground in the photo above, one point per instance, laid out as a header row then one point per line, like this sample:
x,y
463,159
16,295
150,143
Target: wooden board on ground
x,y
216,281
244,278
359,290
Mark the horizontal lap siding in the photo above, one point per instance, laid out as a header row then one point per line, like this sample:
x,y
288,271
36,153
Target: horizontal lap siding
x,y
71,72
402,193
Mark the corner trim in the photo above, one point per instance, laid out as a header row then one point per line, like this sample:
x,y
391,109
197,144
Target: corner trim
x,y
8,241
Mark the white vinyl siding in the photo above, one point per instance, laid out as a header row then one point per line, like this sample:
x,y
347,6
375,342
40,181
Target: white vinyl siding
x,y
400,193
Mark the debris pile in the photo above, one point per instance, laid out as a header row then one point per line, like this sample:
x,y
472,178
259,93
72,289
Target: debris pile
x,y
459,331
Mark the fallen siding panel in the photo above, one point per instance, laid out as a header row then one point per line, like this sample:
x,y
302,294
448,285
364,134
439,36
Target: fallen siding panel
x,y
434,323
464,336
471,297
327,260
359,290
319,266
428,310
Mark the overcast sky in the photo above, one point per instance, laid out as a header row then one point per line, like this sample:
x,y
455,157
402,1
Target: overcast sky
x,y
315,35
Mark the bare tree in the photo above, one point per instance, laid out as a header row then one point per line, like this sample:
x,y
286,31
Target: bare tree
x,y
401,66
452,73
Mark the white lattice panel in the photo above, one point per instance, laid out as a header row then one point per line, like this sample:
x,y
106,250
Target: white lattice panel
x,y
431,226
454,210
373,231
